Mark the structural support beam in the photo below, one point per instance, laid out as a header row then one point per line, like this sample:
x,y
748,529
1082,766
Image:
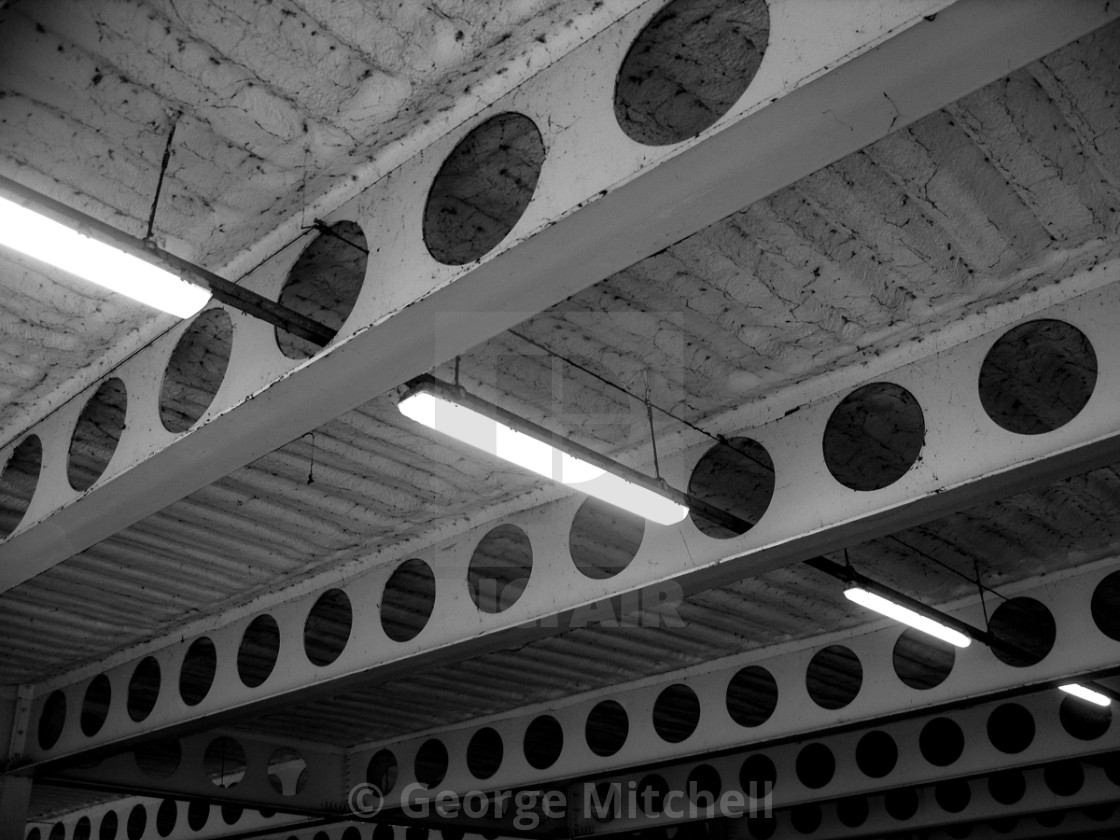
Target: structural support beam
x,y
830,84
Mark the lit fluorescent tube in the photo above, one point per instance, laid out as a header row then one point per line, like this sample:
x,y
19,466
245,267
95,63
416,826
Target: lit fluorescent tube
x,y
879,604
495,438
1084,693
30,233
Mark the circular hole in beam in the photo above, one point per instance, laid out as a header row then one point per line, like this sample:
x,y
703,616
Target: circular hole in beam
x,y
195,370
688,67
83,829
197,672
1037,377
607,728
921,661
95,704
224,762
1010,728
1084,721
52,719
952,795
97,434
431,763
137,822
327,628
18,482
483,188
815,766
853,811
382,770
287,771
500,568
941,742
198,812
834,677
752,696
874,436
876,754
110,825
676,713
1028,626
604,539
158,759
166,816
484,753
143,688
1105,606
408,600
736,477
324,284
259,648
544,741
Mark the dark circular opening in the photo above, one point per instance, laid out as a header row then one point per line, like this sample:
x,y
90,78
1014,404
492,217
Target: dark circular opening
x,y
500,568
52,719
95,704
483,188
607,728
18,482
1100,812
1050,819
83,829
752,696
874,436
941,742
1027,626
351,833
876,754
143,688
815,766
1010,728
260,645
1004,825
735,478
137,822
198,812
1064,778
196,370
704,785
806,818
901,803
327,629
921,661
762,827
287,771
382,770
651,792
757,776
676,713
1084,721
484,753
852,811
408,600
224,762
33,834
952,795
959,831
197,674
324,284
834,677
544,740
688,67
1038,377
431,763
57,832
110,825
604,539
231,813
158,759
1007,786
166,816
1105,606
97,434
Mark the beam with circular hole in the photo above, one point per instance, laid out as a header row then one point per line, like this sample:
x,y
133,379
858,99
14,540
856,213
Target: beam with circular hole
x,y
829,85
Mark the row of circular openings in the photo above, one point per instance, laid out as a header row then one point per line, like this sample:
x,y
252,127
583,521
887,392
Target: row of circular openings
x,y
110,826
686,69
952,796
833,677
1036,378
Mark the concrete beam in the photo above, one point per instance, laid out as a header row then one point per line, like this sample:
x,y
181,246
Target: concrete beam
x,y
830,84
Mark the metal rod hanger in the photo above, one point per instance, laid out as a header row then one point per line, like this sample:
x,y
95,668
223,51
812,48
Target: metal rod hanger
x,y
238,297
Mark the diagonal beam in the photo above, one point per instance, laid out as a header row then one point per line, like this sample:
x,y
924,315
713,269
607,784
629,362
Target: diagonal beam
x,y
602,203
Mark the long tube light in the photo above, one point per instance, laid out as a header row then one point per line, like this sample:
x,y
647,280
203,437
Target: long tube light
x,y
892,609
451,411
35,235
1087,694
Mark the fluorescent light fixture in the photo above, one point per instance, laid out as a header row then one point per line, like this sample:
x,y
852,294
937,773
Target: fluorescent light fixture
x,y
1087,694
880,604
496,438
35,235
